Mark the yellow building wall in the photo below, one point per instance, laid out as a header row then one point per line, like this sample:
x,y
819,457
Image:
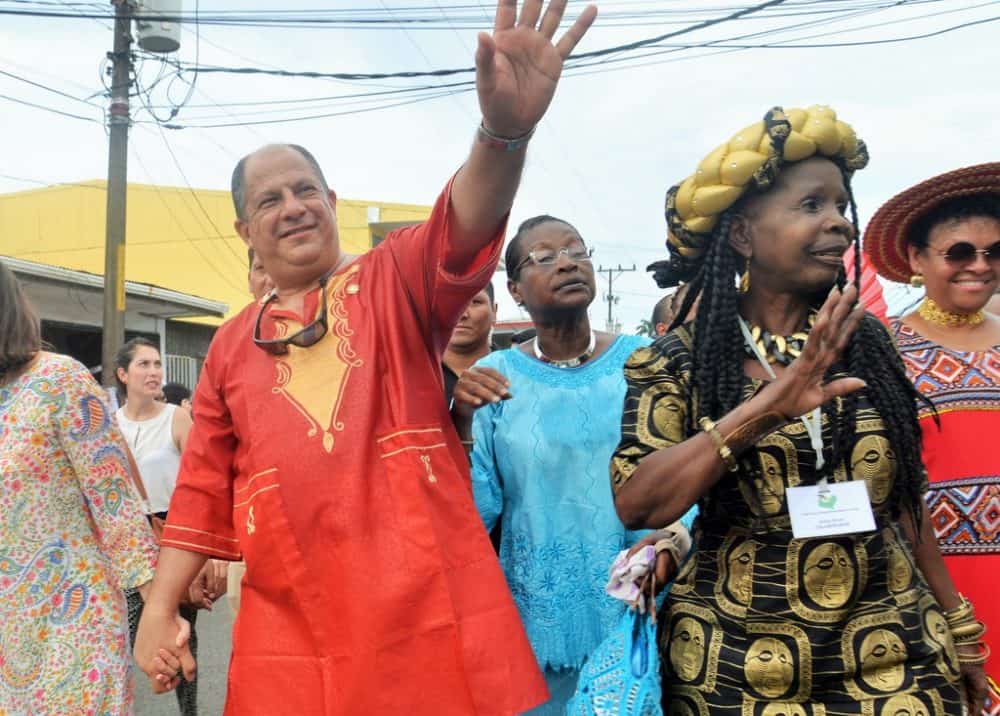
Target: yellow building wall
x,y
176,238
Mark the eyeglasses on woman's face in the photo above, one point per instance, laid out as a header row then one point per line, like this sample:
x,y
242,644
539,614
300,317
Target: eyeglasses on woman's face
x,y
548,257
963,252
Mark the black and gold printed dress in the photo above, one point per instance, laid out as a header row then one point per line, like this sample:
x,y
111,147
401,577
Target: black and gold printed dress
x,y
761,624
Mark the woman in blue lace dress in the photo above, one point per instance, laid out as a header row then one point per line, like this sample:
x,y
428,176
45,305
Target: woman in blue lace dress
x,y
549,420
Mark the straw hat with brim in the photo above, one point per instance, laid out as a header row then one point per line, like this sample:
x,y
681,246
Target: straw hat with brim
x,y
885,238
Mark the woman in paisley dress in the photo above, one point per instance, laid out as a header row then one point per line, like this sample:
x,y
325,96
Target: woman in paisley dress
x,y
547,421
944,234
780,383
72,531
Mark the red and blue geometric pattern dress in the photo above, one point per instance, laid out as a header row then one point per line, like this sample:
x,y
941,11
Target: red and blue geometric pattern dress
x,y
963,465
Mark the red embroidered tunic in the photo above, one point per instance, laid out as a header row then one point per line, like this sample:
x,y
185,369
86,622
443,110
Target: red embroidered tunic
x,y
371,585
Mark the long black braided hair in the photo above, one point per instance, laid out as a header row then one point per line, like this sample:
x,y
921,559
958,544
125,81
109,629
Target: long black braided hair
x,y
870,355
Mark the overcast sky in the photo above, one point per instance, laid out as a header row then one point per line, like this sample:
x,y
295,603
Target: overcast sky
x,y
610,146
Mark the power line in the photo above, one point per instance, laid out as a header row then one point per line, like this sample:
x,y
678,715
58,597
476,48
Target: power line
x,y
610,297
309,117
39,182
194,195
738,14
570,71
729,44
66,4
208,262
49,89
724,48
430,92
575,61
363,102
53,110
427,14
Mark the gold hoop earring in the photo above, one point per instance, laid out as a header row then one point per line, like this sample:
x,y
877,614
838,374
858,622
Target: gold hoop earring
x,y
745,278
917,280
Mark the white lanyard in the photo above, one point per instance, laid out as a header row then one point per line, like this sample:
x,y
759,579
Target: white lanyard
x,y
811,420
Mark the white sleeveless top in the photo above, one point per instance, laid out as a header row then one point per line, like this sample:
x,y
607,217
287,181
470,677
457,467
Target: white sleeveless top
x,y
152,444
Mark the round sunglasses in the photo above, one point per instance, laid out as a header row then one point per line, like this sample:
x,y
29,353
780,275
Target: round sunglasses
x,y
964,253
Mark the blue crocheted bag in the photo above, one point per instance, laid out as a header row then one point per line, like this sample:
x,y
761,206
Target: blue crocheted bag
x,y
622,676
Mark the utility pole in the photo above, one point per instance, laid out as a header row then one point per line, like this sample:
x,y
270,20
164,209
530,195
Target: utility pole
x,y
114,242
610,297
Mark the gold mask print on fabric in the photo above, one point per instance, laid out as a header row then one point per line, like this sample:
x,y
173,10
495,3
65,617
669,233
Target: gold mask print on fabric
x,y
687,648
874,461
829,575
769,667
781,708
904,705
900,572
882,658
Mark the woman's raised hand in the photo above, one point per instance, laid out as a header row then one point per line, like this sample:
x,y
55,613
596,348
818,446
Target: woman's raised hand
x,y
801,387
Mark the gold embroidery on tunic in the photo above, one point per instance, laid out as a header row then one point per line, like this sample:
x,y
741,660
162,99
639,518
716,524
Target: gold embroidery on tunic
x,y
426,460
314,379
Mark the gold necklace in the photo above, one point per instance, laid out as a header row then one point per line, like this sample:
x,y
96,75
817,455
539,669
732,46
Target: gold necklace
x,y
931,312
778,349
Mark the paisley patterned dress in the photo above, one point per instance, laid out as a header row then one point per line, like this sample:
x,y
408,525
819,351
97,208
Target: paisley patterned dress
x,y
761,624
72,537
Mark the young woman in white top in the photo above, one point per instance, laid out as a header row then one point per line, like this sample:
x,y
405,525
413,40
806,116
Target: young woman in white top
x,y
156,433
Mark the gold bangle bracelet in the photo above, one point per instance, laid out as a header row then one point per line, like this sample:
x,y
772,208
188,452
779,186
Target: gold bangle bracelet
x,y
961,612
725,453
746,435
976,628
981,658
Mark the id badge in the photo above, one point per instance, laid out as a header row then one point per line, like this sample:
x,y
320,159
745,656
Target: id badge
x,y
828,509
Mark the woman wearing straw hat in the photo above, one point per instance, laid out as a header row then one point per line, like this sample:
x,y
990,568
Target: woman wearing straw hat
x,y
786,413
944,234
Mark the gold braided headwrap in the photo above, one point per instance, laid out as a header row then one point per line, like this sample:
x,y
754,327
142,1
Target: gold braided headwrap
x,y
753,158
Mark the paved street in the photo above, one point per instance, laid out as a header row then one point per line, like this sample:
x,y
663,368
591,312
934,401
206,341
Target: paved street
x,y
214,629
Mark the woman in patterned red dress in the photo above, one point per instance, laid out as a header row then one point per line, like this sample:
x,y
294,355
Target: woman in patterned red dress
x,y
944,234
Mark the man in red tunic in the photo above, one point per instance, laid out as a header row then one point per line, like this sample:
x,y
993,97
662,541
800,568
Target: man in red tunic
x,y
323,453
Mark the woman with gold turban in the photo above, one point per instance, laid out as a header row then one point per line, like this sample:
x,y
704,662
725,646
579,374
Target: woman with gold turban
x,y
774,409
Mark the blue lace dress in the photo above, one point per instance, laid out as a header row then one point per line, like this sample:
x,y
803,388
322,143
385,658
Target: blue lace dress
x,y
540,466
